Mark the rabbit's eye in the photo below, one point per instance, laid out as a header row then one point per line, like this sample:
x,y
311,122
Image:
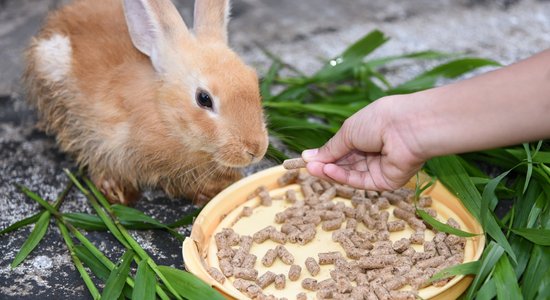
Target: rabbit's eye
x,y
204,99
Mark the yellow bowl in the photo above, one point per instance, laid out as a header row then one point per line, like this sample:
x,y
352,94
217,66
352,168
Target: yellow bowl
x,y
199,249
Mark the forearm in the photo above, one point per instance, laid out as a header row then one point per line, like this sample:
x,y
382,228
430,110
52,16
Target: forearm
x,y
504,107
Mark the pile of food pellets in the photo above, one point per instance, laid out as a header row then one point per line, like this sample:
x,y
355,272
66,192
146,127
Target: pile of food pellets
x,y
369,265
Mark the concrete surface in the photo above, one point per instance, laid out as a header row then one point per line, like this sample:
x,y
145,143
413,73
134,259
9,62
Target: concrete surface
x,y
302,32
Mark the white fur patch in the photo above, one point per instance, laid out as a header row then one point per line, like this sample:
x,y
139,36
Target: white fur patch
x,y
53,57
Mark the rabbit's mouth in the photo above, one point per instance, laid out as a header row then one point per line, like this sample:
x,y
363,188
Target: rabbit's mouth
x,y
238,157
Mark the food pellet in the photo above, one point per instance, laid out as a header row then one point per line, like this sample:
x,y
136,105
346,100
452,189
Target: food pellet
x,y
328,194
401,245
262,235
280,281
397,225
216,274
265,198
396,283
294,163
226,267
333,224
325,293
402,295
317,187
301,296
417,238
344,191
425,201
266,279
383,203
294,272
249,261
284,255
381,292
247,211
253,291
277,237
225,253
288,178
327,258
256,192
312,266
306,236
242,284
269,257
309,284
431,262
248,274
290,196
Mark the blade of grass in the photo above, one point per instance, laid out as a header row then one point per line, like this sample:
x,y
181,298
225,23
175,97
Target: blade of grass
x,y
145,282
462,269
27,221
132,215
490,257
33,240
124,235
78,264
85,221
186,220
506,282
538,264
441,226
88,259
189,285
451,173
537,236
529,166
544,287
117,278
267,80
488,291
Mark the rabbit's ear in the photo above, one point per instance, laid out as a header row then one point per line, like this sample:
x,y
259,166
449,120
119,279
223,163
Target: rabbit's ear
x,y
155,28
210,19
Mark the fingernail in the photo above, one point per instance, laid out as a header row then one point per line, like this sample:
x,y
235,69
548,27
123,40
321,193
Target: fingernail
x,y
309,154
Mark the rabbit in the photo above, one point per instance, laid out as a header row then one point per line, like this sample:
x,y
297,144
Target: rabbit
x,y
140,101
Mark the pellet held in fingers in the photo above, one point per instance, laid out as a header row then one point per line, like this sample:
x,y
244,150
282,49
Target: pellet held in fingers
x,y
294,163
312,266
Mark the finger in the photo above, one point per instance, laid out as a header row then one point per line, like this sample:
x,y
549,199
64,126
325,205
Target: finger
x,y
354,178
337,147
316,169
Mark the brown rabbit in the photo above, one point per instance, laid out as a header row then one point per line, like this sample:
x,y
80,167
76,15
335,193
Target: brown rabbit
x,y
141,101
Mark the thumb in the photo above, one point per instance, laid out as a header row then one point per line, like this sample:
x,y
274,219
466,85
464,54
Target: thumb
x,y
337,147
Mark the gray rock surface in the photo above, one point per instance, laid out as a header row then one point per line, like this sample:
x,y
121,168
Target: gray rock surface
x,y
301,32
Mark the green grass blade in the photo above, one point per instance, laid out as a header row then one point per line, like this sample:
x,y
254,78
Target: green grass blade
x,y
441,226
145,282
134,216
29,220
487,291
462,269
537,236
189,285
538,264
267,81
506,282
186,220
33,240
544,287
427,55
529,166
32,195
85,221
489,198
490,257
98,268
117,278
450,172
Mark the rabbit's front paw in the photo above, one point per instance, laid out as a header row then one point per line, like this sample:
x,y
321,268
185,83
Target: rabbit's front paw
x,y
117,193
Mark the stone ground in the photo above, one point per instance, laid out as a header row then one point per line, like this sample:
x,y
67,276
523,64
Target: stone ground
x,y
301,32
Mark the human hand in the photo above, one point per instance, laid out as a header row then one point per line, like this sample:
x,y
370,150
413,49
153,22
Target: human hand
x,y
374,149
